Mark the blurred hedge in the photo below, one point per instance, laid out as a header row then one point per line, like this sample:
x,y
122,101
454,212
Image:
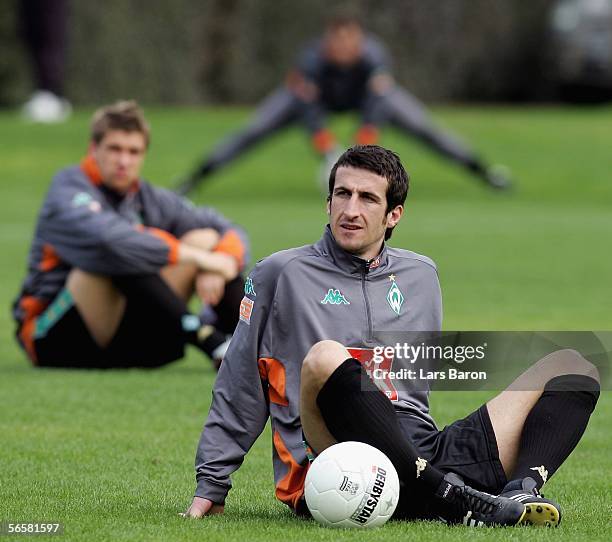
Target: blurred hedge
x,y
225,51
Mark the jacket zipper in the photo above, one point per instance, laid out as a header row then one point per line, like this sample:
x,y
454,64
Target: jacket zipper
x,y
364,271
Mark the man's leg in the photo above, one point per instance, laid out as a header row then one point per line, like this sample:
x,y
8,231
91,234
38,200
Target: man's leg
x,y
540,418
407,113
322,360
338,402
227,311
277,110
45,32
102,305
181,278
225,314
99,303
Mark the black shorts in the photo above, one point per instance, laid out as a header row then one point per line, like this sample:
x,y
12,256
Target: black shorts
x,y
467,447
143,339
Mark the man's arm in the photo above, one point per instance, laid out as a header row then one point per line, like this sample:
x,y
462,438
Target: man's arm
x,y
179,216
200,507
86,234
303,76
379,84
378,62
239,409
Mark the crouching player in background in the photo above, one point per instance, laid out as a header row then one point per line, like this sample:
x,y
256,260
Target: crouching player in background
x,y
114,261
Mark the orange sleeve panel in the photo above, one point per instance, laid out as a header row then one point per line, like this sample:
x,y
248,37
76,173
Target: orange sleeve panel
x,y
50,259
32,307
173,243
291,488
273,372
231,244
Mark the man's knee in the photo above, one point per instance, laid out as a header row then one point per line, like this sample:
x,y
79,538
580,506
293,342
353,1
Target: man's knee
x,y
566,362
322,360
77,275
181,277
81,283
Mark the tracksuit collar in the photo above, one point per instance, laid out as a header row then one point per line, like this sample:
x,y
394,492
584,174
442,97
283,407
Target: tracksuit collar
x,y
90,168
345,260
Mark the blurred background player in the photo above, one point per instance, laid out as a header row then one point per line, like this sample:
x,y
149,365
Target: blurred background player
x,y
114,261
44,29
345,70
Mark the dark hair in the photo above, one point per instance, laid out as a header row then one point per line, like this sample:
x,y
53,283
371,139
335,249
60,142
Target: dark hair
x,y
125,115
381,161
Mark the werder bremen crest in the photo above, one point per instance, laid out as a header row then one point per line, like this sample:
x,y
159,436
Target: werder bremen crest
x,y
334,297
395,298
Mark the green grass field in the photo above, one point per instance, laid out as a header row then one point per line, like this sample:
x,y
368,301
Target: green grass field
x,y
110,454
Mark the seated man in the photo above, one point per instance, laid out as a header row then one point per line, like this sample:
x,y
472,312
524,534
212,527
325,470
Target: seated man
x,y
115,260
345,70
310,313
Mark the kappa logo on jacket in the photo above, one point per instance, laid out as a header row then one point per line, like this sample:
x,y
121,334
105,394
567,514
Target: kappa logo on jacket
x,y
249,289
334,297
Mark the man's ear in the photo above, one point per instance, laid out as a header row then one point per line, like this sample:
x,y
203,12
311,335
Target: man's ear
x,y
394,216
328,206
91,147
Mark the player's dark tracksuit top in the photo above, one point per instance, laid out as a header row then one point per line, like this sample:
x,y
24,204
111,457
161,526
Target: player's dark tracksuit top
x,y
294,299
343,87
85,225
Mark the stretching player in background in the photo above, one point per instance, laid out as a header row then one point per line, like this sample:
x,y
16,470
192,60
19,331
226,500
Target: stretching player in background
x,y
114,261
345,70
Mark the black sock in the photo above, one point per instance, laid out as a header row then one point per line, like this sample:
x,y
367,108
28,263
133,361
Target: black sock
x,y
228,309
554,426
353,408
153,292
205,170
476,166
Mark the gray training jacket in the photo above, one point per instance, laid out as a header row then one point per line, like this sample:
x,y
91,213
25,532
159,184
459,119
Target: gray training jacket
x,y
82,224
293,299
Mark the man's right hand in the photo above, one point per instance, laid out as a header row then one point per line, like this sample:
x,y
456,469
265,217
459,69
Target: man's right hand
x,y
202,507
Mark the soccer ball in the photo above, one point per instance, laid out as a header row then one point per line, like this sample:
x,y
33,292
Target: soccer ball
x,y
351,485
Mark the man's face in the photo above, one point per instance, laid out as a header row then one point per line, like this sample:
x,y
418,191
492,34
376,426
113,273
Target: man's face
x,y
357,211
344,44
120,156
